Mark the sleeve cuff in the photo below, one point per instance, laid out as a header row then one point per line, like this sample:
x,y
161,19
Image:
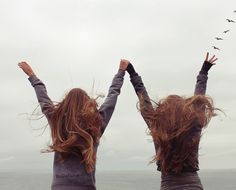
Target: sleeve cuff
x,y
130,69
32,78
206,66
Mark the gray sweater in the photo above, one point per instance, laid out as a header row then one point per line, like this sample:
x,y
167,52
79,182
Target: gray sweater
x,y
140,90
189,178
71,174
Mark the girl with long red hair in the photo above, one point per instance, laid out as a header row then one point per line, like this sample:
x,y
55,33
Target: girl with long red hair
x,y
76,125
175,124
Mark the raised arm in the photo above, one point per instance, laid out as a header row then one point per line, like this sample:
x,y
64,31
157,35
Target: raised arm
x,y
39,87
107,108
201,84
141,92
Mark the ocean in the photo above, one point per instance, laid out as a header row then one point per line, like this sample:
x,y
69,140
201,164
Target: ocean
x,y
117,180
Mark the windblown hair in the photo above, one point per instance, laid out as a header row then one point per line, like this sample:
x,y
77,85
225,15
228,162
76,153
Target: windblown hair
x,y
175,124
76,127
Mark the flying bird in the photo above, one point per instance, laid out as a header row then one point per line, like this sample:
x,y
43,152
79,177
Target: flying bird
x,y
219,38
226,31
216,48
229,20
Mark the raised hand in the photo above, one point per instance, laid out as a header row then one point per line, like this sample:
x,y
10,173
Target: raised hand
x,y
212,60
209,62
26,68
124,64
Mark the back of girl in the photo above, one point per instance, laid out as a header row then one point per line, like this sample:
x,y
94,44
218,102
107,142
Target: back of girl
x,y
175,124
77,125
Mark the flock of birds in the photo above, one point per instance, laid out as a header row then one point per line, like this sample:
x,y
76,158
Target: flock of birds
x,y
224,32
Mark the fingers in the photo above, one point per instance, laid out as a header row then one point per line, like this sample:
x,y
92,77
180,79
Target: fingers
x,y
213,61
212,58
124,64
207,55
125,61
26,68
22,64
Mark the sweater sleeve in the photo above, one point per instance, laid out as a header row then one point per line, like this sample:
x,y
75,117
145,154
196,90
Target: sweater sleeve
x,y
41,93
201,84
142,94
107,108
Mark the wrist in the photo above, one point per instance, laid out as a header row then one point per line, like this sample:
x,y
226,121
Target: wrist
x,y
206,66
130,69
31,74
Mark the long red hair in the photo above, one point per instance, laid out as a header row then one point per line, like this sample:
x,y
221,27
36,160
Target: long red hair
x,y
175,124
76,127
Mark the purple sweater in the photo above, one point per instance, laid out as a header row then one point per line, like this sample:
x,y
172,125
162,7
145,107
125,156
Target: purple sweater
x,y
188,179
71,174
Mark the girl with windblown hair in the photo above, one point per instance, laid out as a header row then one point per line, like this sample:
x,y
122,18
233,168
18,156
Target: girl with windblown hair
x,y
175,124
76,126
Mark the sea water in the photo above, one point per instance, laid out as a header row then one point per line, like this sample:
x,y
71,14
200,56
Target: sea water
x,y
116,180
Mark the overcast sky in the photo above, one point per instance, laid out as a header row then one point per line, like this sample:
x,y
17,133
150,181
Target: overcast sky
x,y
71,43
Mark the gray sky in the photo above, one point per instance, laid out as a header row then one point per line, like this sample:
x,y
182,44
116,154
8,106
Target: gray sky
x,y
73,43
